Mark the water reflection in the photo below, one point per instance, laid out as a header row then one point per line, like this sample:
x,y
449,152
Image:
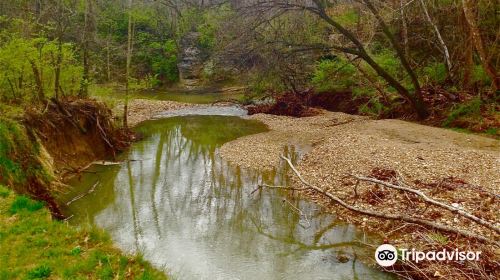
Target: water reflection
x,y
185,209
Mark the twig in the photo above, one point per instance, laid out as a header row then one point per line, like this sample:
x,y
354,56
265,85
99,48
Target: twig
x,y
431,201
78,197
300,212
389,216
259,187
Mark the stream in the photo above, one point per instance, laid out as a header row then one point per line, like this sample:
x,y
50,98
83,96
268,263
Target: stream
x,y
174,200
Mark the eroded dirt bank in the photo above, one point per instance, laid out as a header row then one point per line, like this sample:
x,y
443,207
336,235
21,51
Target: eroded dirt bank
x,y
455,168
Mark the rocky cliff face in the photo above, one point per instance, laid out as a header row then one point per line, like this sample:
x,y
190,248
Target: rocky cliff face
x,y
191,60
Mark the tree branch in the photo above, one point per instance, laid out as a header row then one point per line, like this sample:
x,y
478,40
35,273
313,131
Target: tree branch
x,y
405,218
431,201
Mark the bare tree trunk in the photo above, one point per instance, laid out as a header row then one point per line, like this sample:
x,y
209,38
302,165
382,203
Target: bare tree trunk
x,y
57,85
469,8
108,57
440,38
404,29
468,45
84,88
38,81
129,59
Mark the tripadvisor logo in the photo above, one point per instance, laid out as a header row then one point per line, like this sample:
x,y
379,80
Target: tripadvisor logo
x,y
387,255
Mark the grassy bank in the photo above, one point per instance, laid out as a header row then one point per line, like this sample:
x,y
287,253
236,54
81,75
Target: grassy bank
x,y
33,246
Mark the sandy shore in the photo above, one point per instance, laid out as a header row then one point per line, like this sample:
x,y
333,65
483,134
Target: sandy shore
x,y
455,168
140,110
452,167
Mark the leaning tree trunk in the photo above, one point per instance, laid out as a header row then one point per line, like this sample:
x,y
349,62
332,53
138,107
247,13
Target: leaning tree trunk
x,y
414,98
438,35
418,101
469,8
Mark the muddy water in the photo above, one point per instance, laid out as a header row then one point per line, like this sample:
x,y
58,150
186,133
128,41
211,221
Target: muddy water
x,y
174,200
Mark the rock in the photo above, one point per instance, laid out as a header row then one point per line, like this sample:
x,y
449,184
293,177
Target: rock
x,y
191,60
342,258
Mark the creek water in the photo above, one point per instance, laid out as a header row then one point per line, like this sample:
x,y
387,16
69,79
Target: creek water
x,y
174,200
205,97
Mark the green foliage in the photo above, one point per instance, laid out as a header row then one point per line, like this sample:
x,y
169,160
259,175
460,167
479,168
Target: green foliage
x,y
4,191
22,203
434,73
76,251
36,247
207,35
164,65
374,107
479,75
19,156
337,74
493,131
13,143
389,62
18,77
261,83
206,22
348,17
471,108
41,272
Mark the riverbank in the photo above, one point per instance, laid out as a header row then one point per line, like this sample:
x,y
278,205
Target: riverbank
x,y
455,168
140,110
33,246
37,151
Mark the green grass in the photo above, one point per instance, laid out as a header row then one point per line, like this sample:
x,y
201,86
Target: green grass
x,y
471,109
4,191
33,246
24,203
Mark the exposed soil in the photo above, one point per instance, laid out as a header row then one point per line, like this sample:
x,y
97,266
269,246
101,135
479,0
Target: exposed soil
x,y
73,133
439,101
287,104
76,132
307,103
455,168
341,101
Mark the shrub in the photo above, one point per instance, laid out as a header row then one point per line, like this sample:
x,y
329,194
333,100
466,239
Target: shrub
x,y
470,108
479,75
164,65
18,75
19,156
24,203
4,192
333,74
434,73
40,272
